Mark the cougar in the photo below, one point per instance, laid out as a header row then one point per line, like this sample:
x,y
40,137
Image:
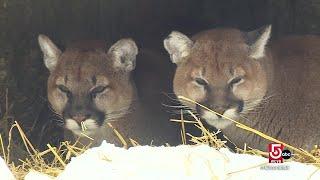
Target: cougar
x,y
90,86
272,87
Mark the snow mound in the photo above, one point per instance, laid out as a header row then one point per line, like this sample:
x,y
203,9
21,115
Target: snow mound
x,y
181,162
143,162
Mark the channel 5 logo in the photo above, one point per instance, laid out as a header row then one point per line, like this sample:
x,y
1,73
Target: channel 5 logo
x,y
277,154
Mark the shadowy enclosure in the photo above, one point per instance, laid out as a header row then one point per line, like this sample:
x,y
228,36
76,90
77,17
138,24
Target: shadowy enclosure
x,y
22,72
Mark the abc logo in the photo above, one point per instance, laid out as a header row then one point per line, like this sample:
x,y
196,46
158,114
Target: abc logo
x,y
286,154
277,154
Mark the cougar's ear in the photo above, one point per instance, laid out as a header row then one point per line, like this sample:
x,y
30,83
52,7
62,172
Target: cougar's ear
x,y
257,41
51,52
123,54
178,46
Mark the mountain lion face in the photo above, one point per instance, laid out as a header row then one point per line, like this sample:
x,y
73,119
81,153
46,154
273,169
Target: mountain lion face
x,y
90,87
221,69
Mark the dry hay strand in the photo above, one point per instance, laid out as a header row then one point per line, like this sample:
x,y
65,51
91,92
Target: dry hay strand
x,y
207,137
38,161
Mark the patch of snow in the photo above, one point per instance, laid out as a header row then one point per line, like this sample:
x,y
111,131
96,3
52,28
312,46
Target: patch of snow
x,y
35,175
5,173
181,162
143,162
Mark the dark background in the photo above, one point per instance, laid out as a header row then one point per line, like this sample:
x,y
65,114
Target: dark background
x,y
146,21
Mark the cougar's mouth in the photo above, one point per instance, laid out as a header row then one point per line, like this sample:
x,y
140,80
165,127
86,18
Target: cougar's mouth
x,y
220,119
87,126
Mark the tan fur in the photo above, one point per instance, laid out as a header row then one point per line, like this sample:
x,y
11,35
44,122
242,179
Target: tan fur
x,y
280,89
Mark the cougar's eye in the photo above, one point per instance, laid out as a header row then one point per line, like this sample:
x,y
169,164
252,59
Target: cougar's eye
x,y
98,89
201,81
65,90
236,80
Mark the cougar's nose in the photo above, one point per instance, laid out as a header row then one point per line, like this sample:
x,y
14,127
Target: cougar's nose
x,y
218,109
80,118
